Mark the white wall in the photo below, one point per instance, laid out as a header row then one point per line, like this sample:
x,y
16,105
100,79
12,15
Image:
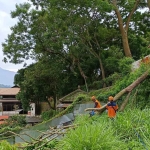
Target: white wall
x,y
32,105
1,109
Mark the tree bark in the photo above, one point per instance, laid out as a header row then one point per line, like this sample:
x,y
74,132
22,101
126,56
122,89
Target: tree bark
x,y
123,105
148,3
91,50
83,75
125,43
100,62
122,92
133,99
102,70
124,30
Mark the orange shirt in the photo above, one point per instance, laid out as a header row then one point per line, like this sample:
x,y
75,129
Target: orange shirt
x,y
112,107
97,104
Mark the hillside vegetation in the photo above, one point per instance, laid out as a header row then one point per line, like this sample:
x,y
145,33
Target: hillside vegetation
x,y
129,130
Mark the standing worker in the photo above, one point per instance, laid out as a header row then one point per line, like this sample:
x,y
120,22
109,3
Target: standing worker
x,y
112,107
97,105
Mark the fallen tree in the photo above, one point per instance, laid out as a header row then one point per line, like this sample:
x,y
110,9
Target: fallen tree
x,y
122,92
41,141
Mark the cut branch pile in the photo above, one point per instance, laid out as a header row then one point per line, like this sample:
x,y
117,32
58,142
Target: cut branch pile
x,y
43,139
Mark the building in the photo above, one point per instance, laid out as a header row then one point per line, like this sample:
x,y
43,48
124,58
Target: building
x,y
8,101
67,100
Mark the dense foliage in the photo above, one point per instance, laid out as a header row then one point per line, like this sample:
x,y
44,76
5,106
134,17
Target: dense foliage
x,y
82,44
91,43
125,80
46,115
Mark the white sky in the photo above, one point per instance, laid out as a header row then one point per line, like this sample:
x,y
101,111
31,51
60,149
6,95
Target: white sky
x,y
6,6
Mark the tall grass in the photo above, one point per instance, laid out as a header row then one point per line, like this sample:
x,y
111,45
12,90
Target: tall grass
x,y
129,131
92,134
134,128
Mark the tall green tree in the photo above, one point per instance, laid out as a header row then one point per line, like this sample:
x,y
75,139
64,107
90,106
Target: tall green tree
x,y
72,31
44,79
48,28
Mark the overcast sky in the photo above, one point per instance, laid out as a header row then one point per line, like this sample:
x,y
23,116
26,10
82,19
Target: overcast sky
x,y
6,6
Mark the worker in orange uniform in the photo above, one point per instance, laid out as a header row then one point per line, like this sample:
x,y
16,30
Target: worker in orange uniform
x,y
97,105
112,107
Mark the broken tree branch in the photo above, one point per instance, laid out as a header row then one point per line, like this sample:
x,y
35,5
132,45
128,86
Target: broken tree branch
x,y
123,105
122,92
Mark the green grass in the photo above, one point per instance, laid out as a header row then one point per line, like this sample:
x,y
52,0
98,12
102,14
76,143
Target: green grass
x,y
130,130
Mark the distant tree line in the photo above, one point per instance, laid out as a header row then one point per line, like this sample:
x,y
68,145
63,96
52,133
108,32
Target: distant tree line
x,y
4,86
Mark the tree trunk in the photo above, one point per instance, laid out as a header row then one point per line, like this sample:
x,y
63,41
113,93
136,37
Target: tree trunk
x,y
148,3
137,82
125,43
122,92
100,62
102,70
133,99
124,35
49,103
97,55
122,107
124,30
83,75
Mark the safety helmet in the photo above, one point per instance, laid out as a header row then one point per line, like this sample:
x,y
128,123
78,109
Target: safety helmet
x,y
93,98
110,98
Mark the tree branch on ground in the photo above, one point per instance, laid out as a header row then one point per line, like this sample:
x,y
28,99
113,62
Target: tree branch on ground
x,y
122,92
124,103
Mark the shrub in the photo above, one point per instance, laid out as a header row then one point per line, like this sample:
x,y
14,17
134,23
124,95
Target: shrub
x,y
17,120
46,115
125,65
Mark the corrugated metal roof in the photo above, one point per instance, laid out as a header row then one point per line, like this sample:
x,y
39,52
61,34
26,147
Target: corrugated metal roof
x,y
9,91
63,105
33,119
71,96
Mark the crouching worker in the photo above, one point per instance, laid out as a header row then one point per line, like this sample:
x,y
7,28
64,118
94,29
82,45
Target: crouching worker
x,y
112,107
97,105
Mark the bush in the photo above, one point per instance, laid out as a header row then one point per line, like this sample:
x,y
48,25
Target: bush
x,y
17,120
13,122
125,65
82,98
46,115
